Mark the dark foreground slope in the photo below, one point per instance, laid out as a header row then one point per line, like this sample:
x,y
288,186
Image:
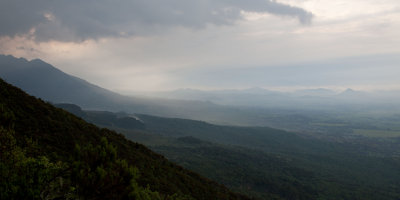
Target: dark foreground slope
x,y
69,148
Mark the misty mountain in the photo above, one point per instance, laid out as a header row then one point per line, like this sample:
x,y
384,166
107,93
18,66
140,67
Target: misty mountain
x,y
249,107
43,80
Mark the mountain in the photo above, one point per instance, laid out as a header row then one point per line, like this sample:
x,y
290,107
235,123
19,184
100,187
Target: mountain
x,y
47,82
49,153
353,95
251,107
44,81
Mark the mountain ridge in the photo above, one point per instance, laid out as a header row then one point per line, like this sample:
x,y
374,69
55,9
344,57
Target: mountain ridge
x,y
56,86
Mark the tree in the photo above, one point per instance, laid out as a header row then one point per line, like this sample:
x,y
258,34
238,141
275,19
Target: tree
x,y
98,173
24,177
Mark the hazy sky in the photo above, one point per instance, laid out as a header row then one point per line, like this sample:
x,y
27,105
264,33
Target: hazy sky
x,y
129,45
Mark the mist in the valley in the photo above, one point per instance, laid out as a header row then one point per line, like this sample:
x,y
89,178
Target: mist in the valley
x,y
304,99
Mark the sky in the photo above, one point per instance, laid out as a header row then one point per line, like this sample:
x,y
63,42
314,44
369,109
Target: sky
x,y
152,45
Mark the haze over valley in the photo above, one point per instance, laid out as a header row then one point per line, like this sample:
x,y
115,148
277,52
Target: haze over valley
x,y
179,100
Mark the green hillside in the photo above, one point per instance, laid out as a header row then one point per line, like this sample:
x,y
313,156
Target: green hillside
x,y
49,153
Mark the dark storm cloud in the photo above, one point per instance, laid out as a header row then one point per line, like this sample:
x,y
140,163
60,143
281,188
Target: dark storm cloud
x,y
77,20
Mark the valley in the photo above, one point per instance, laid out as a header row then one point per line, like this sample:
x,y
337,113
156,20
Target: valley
x,y
268,163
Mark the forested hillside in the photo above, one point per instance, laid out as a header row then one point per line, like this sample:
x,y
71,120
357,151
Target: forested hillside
x,y
48,153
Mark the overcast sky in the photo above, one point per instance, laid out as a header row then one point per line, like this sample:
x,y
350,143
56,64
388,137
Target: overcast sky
x,y
130,45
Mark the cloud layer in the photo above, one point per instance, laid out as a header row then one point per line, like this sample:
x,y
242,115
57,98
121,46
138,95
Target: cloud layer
x,y
76,20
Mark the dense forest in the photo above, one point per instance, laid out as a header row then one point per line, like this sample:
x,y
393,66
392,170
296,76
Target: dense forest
x,y
48,153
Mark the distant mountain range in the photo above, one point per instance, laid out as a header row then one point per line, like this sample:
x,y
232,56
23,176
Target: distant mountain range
x,y
249,107
320,98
